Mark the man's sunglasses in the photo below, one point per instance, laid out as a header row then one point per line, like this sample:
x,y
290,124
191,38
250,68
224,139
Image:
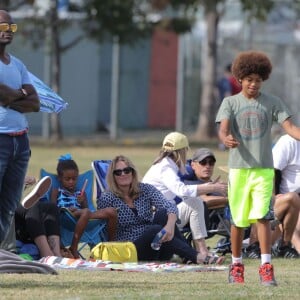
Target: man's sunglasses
x,y
119,172
8,27
208,161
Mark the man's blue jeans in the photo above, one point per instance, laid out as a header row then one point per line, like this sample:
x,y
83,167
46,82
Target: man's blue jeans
x,y
14,157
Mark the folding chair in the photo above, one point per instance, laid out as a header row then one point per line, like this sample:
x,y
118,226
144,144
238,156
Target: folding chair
x,y
100,169
95,231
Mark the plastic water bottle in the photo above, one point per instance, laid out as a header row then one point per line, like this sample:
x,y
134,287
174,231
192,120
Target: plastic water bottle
x,y
155,245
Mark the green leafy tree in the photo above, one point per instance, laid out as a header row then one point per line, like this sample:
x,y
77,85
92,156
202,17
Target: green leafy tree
x,y
131,20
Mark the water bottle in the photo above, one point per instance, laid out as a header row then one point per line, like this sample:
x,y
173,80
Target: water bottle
x,y
155,245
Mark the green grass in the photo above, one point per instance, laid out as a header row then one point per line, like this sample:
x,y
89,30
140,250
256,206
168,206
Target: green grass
x,y
71,284
142,157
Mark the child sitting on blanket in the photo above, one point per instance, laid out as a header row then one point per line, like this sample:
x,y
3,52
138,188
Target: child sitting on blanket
x,y
66,196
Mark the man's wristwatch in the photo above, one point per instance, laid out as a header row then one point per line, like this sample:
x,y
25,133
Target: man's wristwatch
x,y
24,92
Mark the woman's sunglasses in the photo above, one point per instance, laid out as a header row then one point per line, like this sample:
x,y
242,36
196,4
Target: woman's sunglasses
x,y
119,172
208,161
8,27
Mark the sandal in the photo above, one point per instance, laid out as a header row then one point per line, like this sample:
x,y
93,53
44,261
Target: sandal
x,y
65,252
75,253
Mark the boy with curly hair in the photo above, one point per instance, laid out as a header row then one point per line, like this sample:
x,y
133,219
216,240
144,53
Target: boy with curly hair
x,y
245,122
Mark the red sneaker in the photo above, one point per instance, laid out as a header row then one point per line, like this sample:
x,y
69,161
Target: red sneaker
x,y
236,273
266,274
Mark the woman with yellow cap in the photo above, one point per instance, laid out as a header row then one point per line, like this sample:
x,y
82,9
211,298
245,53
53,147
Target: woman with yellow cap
x,y
163,174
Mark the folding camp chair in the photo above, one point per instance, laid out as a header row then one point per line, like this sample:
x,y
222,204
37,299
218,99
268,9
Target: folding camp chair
x,y
100,169
95,231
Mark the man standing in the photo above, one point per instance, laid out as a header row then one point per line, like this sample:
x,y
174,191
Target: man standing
x,y
17,96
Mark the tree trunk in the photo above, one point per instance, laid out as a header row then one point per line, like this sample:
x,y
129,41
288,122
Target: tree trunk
x,y
206,122
55,125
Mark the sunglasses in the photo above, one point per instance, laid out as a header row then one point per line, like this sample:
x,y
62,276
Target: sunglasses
x,y
8,27
204,162
119,172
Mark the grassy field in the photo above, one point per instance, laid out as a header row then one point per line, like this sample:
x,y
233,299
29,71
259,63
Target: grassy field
x,y
70,284
142,157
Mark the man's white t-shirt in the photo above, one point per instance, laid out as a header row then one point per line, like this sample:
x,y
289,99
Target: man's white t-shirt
x,y
286,156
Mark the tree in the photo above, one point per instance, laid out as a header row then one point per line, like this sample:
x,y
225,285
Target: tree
x,y
130,20
213,11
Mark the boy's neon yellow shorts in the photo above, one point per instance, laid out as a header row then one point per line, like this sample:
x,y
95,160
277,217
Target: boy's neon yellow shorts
x,y
249,194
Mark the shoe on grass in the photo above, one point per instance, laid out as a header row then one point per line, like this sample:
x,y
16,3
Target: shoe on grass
x,y
236,273
285,251
35,192
266,275
252,251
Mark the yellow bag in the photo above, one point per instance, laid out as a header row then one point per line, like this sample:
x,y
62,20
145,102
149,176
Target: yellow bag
x,y
115,252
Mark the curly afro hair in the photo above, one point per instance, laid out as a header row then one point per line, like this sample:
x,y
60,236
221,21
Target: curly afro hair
x,y
251,62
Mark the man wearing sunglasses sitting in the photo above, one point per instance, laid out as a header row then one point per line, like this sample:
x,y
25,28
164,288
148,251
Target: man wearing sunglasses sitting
x,y
17,97
203,163
200,170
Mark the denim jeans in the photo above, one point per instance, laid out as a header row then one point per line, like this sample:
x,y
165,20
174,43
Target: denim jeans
x,y
14,157
178,245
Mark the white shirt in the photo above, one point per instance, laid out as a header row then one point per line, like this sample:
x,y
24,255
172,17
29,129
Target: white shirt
x,y
164,176
286,156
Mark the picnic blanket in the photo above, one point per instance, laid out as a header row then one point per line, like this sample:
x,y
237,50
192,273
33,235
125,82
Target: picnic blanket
x,y
100,265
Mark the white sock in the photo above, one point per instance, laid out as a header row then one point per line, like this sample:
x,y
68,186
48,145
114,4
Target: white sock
x,y
265,258
237,260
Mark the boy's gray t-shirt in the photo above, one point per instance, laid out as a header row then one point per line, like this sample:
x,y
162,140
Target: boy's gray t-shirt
x,y
250,123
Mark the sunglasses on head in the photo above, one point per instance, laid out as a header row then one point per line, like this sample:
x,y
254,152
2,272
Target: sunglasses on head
x,y
8,27
119,172
208,161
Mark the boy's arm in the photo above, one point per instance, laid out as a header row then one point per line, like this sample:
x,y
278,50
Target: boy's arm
x,y
291,129
224,134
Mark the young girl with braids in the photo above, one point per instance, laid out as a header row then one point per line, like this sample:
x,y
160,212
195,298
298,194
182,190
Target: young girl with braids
x,y
66,196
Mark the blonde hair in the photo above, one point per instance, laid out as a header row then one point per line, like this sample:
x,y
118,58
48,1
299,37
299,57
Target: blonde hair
x,y
178,156
134,189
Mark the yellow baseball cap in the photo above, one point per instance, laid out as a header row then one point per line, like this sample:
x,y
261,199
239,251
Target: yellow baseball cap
x,y
175,141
